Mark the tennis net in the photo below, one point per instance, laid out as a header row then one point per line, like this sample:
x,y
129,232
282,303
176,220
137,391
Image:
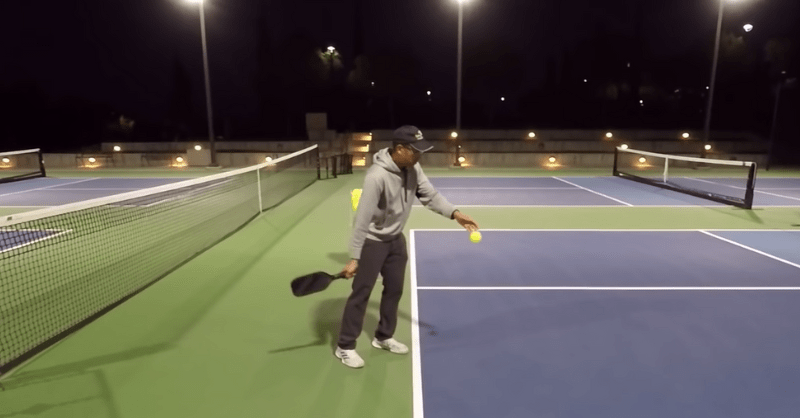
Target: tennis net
x,y
64,266
724,181
21,165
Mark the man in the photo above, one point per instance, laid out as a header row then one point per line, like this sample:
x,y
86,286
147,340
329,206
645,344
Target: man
x,y
378,246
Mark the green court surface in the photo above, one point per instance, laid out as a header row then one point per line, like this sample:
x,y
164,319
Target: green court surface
x,y
134,172
222,336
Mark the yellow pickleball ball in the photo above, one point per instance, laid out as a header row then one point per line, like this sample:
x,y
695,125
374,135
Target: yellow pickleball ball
x,y
475,237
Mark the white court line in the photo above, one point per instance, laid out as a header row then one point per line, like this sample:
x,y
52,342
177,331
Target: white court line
x,y
47,187
416,359
60,232
592,191
607,230
601,206
543,176
605,288
505,188
778,195
751,249
744,188
98,188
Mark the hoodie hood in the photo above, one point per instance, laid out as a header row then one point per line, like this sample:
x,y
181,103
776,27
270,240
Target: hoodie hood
x,y
383,159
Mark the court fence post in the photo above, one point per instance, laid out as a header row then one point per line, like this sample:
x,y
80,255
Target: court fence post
x,y
319,174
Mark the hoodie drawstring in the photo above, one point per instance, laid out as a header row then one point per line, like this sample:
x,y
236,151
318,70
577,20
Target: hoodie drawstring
x,y
405,180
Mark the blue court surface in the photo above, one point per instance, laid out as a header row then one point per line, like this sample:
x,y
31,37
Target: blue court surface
x,y
606,323
48,191
461,191
605,191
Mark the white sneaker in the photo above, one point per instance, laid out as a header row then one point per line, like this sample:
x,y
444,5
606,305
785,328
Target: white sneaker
x,y
390,344
349,357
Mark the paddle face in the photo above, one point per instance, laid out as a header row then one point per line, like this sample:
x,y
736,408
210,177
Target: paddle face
x,y
312,283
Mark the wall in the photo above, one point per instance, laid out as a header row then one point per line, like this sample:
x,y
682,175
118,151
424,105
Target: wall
x,y
480,148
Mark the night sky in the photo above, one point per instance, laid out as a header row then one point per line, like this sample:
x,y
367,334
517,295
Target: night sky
x,y
123,52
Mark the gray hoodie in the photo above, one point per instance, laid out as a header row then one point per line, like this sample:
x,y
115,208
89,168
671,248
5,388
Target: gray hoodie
x,y
386,200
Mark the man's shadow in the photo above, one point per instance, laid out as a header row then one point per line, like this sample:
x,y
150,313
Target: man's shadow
x,y
327,320
341,258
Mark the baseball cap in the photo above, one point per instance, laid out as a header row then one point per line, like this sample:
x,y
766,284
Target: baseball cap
x,y
411,135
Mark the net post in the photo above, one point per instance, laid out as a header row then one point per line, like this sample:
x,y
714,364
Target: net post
x,y
751,180
41,163
258,184
616,153
666,169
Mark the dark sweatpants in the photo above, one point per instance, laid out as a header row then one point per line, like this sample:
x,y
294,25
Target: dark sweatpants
x,y
389,259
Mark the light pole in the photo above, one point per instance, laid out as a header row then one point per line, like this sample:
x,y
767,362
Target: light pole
x,y
458,79
788,83
707,124
331,54
211,145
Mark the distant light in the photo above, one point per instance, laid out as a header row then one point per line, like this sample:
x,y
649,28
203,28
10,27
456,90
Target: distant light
x,y
370,134
179,159
748,27
453,135
197,147
609,135
459,147
677,90
502,99
708,88
708,147
783,72
268,159
92,160
429,92
552,159
373,84
642,160
685,135
629,65
6,160
461,159
531,135
117,148
585,80
331,49
624,146
641,101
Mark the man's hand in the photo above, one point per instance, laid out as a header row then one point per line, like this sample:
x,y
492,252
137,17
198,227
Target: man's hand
x,y
465,221
350,269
